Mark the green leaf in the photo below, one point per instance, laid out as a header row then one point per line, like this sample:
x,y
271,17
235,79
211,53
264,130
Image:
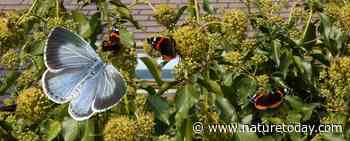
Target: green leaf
x,y
125,13
102,6
54,129
304,67
206,7
227,108
70,129
186,97
127,38
212,86
160,107
180,13
309,39
276,52
244,87
9,79
84,24
323,57
297,104
154,68
285,63
89,130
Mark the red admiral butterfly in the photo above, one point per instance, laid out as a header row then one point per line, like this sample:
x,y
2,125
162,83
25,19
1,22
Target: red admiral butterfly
x,y
165,45
113,44
263,100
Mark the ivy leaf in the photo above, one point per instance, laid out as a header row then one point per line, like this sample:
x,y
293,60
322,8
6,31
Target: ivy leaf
x,y
309,39
244,87
276,52
89,130
154,68
206,7
212,86
180,13
124,13
54,129
304,67
227,108
297,104
186,97
127,38
84,24
161,108
285,63
70,129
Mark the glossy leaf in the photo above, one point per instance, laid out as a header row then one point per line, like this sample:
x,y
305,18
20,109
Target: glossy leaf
x,y
89,130
206,7
127,38
160,107
276,52
226,108
244,87
53,130
186,97
154,68
179,13
70,129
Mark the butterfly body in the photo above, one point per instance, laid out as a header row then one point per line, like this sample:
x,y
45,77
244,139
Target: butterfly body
x,y
166,46
76,74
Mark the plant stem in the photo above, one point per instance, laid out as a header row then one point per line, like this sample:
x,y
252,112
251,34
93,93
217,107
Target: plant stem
x,y
35,3
57,8
150,5
196,9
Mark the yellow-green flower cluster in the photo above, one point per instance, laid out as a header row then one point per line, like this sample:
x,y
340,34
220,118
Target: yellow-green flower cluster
x,y
25,78
186,68
58,21
214,23
340,14
165,138
32,104
9,60
259,58
334,118
3,28
235,24
120,129
165,15
125,59
295,34
263,80
269,7
145,125
336,86
191,42
27,136
233,57
249,44
277,20
140,101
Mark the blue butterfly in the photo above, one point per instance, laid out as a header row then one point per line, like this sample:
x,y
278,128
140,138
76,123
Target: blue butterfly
x,y
77,74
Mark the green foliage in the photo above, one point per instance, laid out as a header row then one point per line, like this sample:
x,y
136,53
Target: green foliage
x,y
221,69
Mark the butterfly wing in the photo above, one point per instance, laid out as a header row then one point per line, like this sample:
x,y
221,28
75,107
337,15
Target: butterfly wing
x,y
59,86
80,108
65,49
110,90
